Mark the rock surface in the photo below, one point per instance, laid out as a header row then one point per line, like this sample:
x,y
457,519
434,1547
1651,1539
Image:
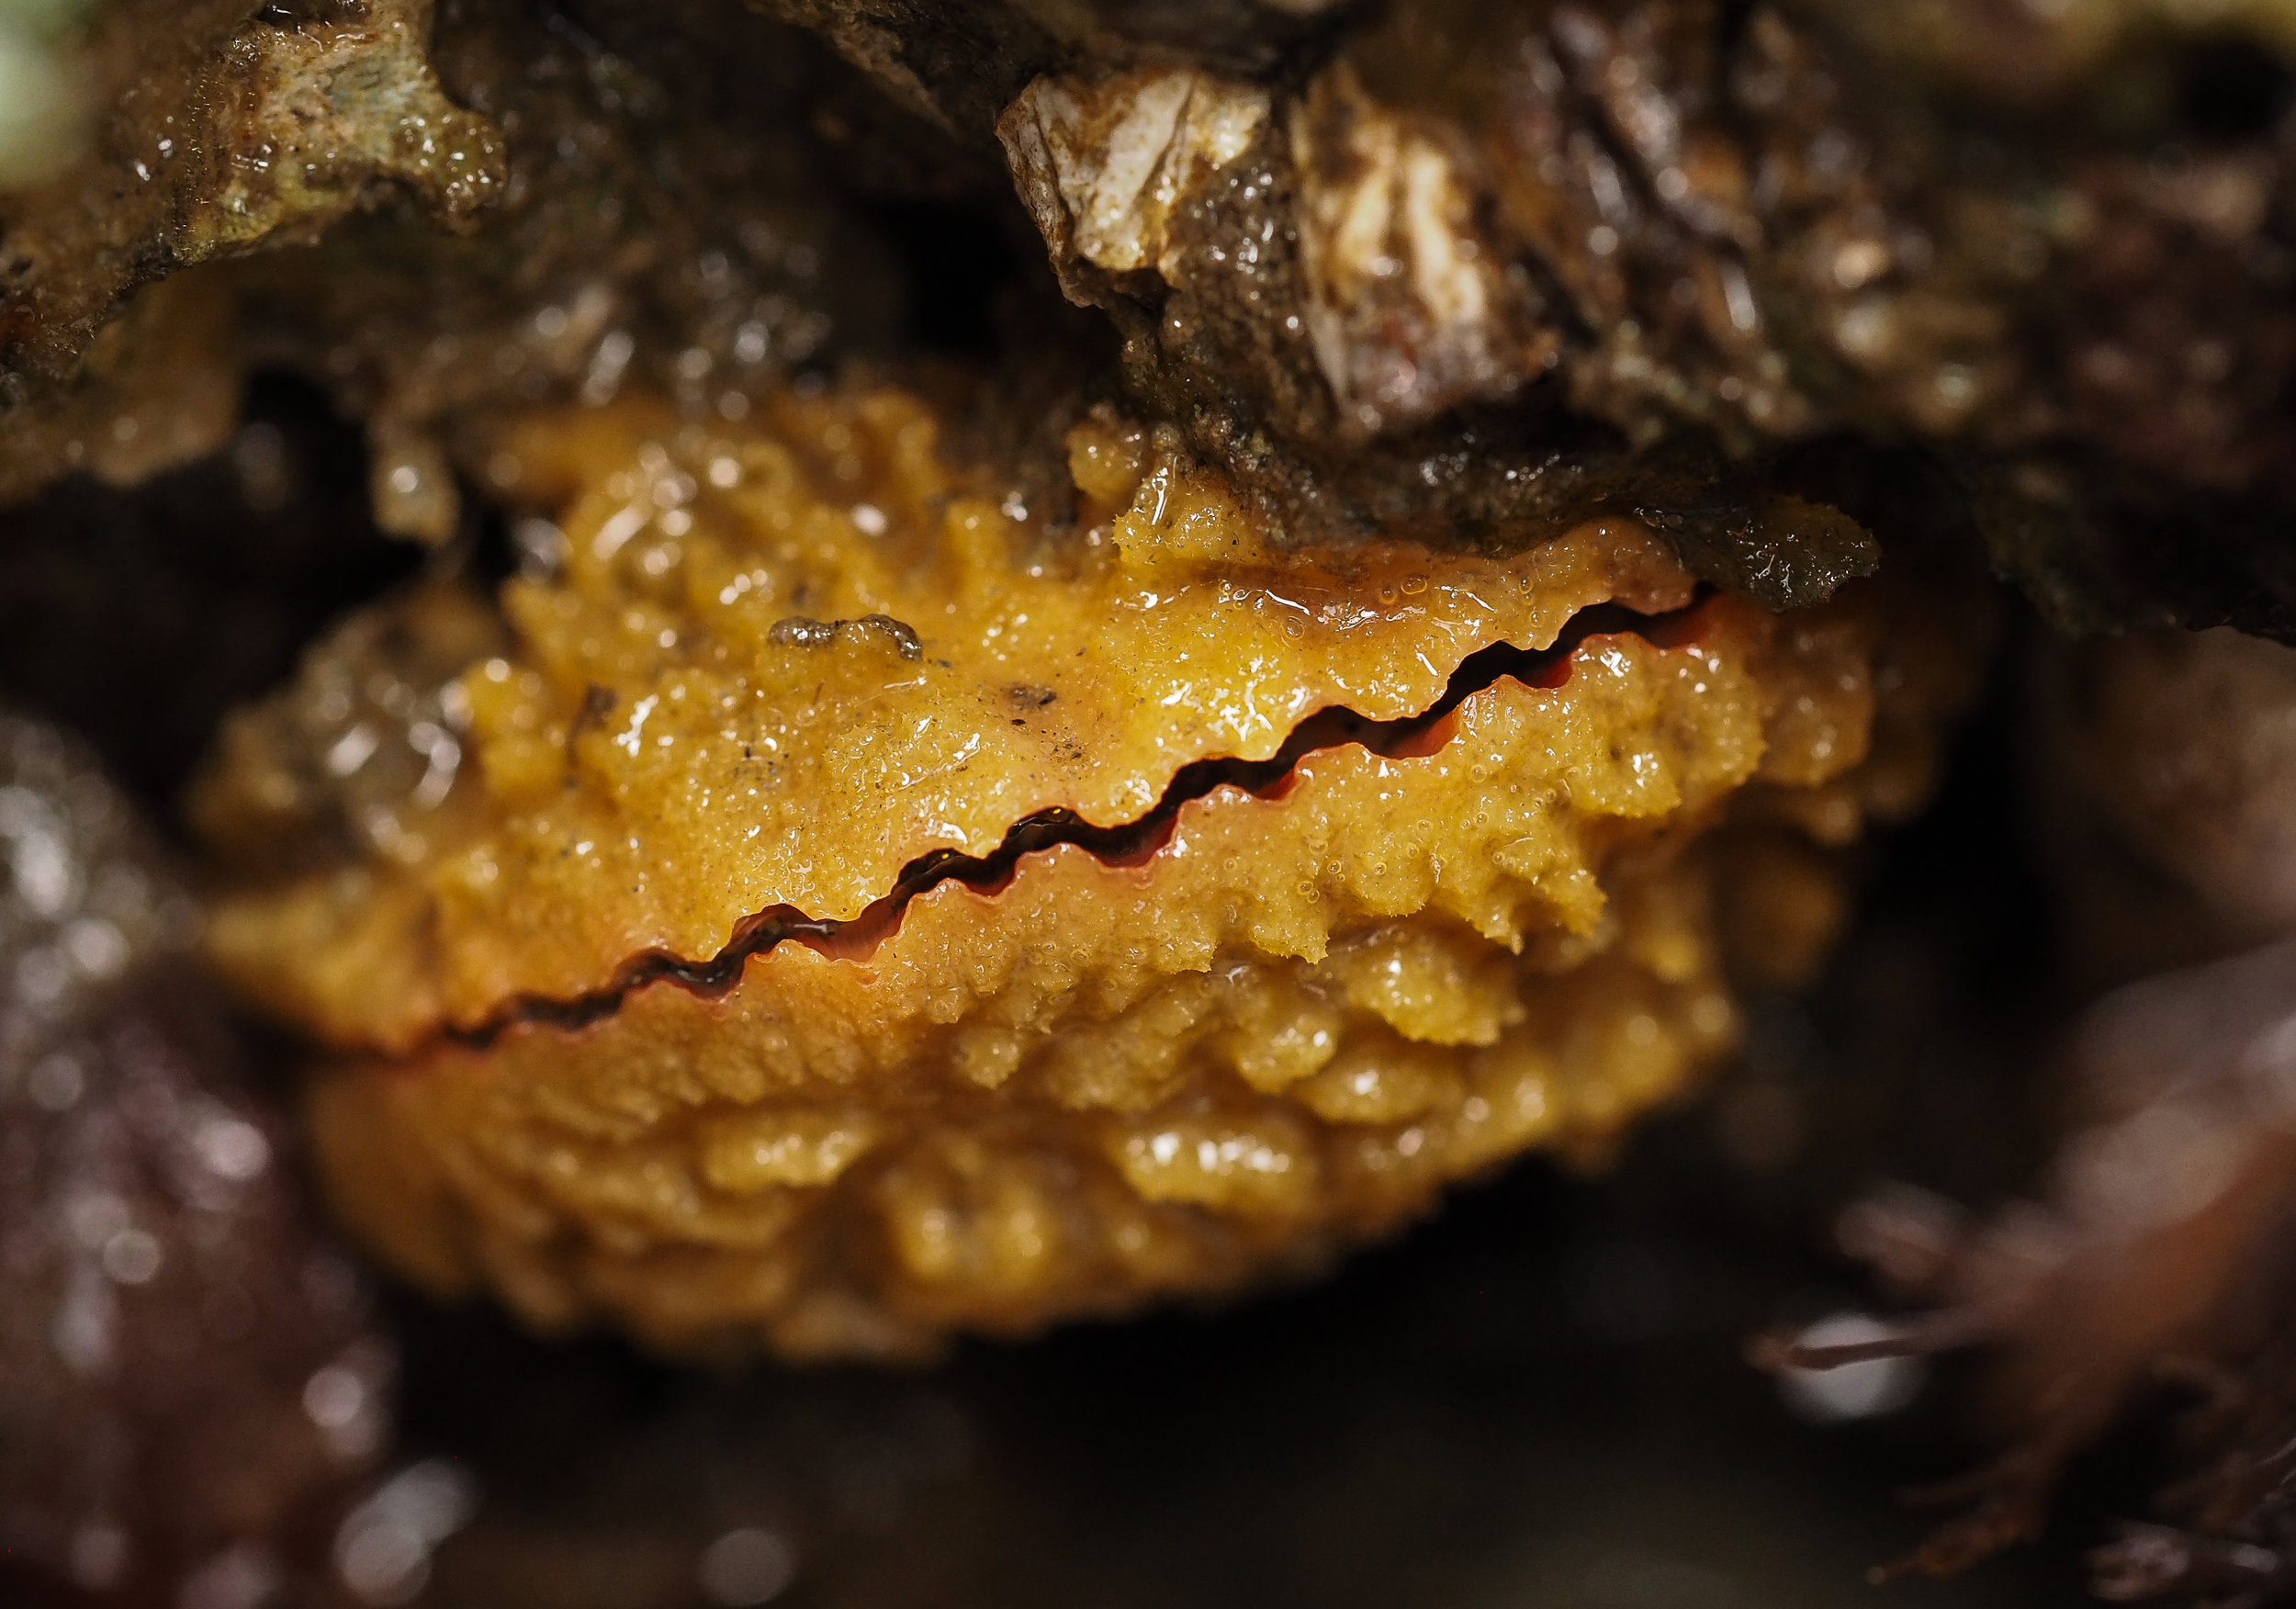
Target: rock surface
x,y
189,1383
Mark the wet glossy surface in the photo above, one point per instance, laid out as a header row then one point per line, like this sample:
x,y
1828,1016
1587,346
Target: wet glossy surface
x,y
855,909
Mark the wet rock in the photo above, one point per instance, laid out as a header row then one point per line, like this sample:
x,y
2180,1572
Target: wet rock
x,y
643,209
189,1380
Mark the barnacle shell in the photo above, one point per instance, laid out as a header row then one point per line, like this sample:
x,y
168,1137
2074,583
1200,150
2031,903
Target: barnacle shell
x,y
873,911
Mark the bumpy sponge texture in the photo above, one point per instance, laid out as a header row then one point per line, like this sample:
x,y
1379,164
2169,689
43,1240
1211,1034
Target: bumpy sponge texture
x,y
861,908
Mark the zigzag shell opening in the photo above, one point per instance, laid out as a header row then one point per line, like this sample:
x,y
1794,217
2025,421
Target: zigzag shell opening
x,y
828,907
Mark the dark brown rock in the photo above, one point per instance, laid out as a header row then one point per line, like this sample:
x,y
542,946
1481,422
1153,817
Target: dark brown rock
x,y
188,1383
